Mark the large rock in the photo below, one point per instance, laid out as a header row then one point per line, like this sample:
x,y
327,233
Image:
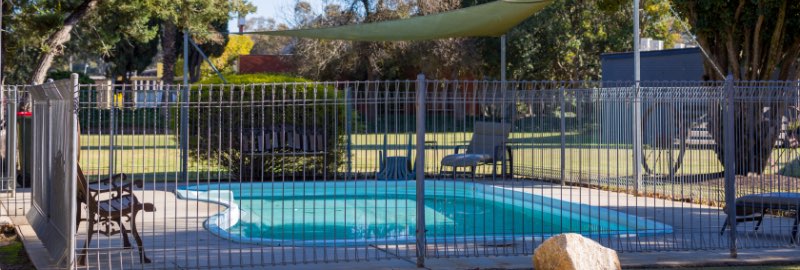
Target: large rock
x,y
573,251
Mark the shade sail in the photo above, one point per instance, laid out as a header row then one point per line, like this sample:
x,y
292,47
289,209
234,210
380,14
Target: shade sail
x,y
487,20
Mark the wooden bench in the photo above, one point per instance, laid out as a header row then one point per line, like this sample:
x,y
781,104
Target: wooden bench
x,y
283,141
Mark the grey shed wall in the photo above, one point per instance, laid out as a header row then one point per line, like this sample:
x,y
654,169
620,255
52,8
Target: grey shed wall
x,y
665,65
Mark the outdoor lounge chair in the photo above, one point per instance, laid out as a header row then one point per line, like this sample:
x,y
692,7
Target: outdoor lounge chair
x,y
394,167
488,146
109,211
753,207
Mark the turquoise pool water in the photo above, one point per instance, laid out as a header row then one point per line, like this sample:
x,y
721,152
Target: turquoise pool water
x,y
354,212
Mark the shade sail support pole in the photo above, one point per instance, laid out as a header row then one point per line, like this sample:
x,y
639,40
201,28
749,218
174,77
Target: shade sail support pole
x,y
637,104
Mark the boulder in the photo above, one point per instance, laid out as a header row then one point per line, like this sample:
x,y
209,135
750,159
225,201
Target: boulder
x,y
573,251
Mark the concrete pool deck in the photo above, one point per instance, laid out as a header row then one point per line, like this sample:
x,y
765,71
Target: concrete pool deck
x,y
174,237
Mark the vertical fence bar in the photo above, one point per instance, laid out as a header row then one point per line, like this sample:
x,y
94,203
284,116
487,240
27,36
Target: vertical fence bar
x,y
185,109
563,134
11,139
419,166
730,162
112,127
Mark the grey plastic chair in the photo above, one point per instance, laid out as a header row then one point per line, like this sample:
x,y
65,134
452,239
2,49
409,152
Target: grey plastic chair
x,y
488,146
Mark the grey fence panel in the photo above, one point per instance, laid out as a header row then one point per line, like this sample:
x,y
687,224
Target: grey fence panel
x,y
324,172
8,145
53,204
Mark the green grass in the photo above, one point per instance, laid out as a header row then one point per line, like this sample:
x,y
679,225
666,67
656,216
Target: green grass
x,y
147,157
13,254
141,154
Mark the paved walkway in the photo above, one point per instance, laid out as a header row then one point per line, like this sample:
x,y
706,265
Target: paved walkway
x,y
174,237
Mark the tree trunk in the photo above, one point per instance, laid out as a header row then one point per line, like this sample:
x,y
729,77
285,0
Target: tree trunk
x,y
168,56
56,41
54,45
168,33
757,125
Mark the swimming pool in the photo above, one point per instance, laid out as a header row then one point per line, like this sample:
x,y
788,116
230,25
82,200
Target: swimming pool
x,y
361,212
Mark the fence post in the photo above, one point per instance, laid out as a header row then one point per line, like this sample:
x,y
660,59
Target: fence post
x,y
72,184
563,135
112,122
638,140
419,166
729,160
348,129
185,110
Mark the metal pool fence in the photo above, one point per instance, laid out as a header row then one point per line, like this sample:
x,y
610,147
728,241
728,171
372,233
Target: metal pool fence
x,y
292,173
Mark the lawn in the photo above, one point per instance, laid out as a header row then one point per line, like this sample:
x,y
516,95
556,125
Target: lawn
x,y
157,157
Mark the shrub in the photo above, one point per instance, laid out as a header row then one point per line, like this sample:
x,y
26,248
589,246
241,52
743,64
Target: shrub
x,y
221,115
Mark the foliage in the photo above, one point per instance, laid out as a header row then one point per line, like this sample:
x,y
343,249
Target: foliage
x,y
121,31
63,74
565,40
131,54
204,19
349,60
258,78
274,102
237,45
267,45
751,40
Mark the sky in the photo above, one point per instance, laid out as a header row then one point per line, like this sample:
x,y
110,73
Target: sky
x,y
277,9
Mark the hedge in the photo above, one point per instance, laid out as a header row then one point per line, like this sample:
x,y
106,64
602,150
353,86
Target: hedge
x,y
220,116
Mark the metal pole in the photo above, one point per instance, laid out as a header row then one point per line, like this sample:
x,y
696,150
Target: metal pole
x,y
563,136
637,104
73,169
112,121
2,82
419,166
503,58
730,162
348,129
213,67
185,109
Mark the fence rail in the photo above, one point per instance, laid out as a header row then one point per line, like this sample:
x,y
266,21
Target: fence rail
x,y
290,173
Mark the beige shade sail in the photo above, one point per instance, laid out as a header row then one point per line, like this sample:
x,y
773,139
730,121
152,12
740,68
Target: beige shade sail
x,y
488,20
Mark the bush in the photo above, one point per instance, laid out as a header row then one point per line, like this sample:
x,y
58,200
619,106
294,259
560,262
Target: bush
x,y
221,114
64,74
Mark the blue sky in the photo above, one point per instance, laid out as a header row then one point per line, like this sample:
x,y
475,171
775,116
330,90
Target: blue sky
x,y
278,9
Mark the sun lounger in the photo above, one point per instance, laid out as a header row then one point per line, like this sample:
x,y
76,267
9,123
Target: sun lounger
x,y
753,207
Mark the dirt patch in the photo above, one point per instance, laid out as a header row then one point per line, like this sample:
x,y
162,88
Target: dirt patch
x,y
12,252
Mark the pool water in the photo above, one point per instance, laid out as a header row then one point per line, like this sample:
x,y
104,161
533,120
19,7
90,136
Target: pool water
x,y
379,211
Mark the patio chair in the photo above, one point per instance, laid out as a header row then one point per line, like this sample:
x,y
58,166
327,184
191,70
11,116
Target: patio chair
x,y
109,210
488,146
394,167
753,207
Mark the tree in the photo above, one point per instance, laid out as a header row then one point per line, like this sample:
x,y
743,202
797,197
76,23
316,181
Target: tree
x,y
354,60
564,41
751,40
197,16
212,44
237,45
267,45
54,44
